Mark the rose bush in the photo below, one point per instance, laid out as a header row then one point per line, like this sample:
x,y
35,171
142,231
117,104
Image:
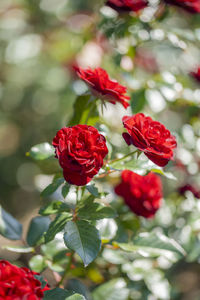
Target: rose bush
x,y
80,150
19,283
150,137
142,194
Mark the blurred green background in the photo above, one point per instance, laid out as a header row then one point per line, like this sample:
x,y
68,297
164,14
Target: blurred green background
x,y
152,54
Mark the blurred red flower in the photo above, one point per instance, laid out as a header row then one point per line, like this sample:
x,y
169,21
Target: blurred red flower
x,y
150,137
127,5
196,74
102,86
142,194
192,6
191,188
19,283
80,150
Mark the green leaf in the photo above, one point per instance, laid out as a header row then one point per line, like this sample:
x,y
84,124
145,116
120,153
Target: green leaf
x,y
37,228
38,263
90,210
10,228
41,151
51,188
19,249
60,294
112,290
53,207
107,228
57,225
84,111
138,101
138,165
65,189
84,239
154,244
92,189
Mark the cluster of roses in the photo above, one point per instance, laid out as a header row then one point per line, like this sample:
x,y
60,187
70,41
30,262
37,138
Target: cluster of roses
x,y
81,149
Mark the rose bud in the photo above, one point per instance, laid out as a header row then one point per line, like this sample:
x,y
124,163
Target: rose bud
x,y
80,150
142,194
103,87
150,137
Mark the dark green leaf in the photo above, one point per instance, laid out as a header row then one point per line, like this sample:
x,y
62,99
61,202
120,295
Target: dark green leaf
x,y
42,151
138,101
65,189
9,226
93,190
51,188
112,290
60,294
83,238
41,279
84,111
57,225
53,207
95,211
37,228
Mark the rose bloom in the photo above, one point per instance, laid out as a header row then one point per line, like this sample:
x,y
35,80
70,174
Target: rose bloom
x,y
192,6
80,150
127,5
196,74
103,87
142,194
19,283
191,188
150,137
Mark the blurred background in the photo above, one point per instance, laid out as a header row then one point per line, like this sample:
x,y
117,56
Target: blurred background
x,y
152,53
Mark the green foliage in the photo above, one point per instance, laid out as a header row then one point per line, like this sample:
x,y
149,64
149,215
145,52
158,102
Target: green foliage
x,y
113,290
9,226
42,151
84,239
57,225
51,188
37,229
61,294
138,101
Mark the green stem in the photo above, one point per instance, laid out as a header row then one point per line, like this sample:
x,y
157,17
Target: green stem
x,y
122,158
68,266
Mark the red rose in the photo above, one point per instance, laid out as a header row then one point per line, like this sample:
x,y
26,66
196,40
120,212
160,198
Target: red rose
x,y
196,74
103,87
151,137
191,188
127,5
192,6
80,150
19,283
141,193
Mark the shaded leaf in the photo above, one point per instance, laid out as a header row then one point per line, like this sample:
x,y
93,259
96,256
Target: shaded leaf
x,y
61,294
51,188
84,239
138,101
9,226
65,189
37,228
57,225
53,207
93,190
